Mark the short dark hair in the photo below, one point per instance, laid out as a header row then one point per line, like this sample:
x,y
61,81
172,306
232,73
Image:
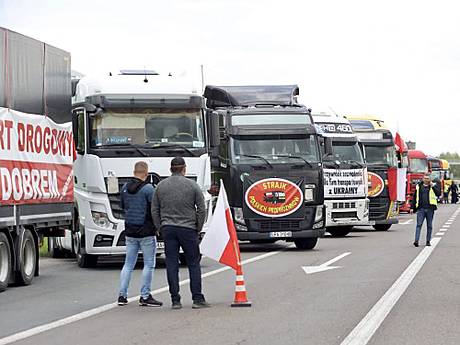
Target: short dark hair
x,y
177,164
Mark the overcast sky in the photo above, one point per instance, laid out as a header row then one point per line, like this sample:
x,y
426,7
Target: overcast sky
x,y
399,60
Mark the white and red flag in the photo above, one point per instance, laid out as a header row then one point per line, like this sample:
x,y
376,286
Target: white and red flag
x,y
220,241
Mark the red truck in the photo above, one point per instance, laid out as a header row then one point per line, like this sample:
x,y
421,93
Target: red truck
x,y
417,167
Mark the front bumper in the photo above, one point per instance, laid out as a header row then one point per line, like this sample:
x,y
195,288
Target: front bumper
x,y
349,212
252,236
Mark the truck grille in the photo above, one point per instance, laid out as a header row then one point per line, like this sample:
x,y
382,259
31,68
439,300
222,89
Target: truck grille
x,y
114,199
278,225
341,205
341,215
378,208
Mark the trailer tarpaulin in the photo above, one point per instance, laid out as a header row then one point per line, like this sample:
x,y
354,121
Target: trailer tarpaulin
x,y
36,157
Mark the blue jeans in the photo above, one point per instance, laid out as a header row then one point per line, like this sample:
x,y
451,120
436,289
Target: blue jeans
x,y
423,213
148,245
176,237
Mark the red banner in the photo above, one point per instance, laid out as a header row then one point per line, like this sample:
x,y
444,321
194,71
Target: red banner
x,y
36,157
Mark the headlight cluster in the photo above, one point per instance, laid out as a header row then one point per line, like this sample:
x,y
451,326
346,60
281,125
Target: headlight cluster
x,y
319,213
309,192
102,219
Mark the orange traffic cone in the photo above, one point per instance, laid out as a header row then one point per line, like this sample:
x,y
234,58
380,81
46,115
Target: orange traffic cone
x,y
241,298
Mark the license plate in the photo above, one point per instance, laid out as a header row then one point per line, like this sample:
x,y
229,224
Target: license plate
x,y
281,234
160,245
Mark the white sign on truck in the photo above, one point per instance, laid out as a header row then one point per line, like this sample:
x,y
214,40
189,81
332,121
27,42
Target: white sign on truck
x,y
344,183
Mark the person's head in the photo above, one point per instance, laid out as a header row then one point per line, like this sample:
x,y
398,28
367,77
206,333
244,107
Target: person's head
x,y
426,179
141,170
178,166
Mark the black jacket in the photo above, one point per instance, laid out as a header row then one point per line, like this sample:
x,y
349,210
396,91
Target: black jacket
x,y
436,189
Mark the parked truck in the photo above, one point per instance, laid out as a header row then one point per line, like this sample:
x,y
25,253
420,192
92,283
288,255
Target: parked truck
x,y
36,152
266,151
345,176
120,119
417,166
380,155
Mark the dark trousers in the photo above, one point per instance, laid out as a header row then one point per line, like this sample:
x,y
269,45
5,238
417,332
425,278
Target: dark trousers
x,y
176,237
422,214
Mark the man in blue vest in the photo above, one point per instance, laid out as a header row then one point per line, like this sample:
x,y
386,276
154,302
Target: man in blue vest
x,y
424,202
136,199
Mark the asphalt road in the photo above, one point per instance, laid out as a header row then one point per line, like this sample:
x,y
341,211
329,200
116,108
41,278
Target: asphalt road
x,y
289,306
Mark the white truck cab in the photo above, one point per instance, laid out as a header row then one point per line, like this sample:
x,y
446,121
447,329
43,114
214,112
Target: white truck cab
x,y
345,176
121,119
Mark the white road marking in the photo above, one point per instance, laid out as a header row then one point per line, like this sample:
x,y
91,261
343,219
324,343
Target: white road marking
x,y
325,266
98,310
446,226
443,229
364,331
407,222
440,233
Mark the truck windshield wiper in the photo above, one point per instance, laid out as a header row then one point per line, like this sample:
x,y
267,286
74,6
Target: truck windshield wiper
x,y
295,157
129,145
337,165
361,165
259,157
179,146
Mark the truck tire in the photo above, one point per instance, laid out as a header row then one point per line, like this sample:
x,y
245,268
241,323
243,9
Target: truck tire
x,y
54,250
306,243
27,259
339,231
6,262
83,260
382,227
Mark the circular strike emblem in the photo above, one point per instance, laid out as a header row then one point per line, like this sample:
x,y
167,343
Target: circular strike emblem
x,y
375,184
274,197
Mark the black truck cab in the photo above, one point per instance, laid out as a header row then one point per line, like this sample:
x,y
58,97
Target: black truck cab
x,y
265,150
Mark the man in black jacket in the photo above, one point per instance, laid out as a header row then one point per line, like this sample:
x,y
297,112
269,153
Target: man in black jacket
x,y
136,199
424,202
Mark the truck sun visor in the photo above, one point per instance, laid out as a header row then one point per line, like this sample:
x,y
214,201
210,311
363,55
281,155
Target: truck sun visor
x,y
233,96
147,101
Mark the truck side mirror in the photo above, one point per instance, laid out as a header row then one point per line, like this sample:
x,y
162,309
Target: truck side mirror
x,y
212,120
328,147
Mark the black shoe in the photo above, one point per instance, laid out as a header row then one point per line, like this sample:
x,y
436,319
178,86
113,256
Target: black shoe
x,y
122,300
428,244
416,244
149,302
176,305
200,304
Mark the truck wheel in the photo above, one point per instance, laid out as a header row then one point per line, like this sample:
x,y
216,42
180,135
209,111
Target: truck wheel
x,y
27,259
5,262
306,243
83,260
54,250
382,227
339,231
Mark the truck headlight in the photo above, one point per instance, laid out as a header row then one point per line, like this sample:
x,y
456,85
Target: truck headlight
x,y
238,214
309,192
101,219
319,213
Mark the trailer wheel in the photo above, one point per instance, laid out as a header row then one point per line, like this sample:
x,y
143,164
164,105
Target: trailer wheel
x,y
339,231
382,227
5,262
54,249
306,243
27,259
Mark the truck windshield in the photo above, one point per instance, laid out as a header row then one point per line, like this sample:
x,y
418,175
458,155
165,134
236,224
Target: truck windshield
x,y
275,150
346,151
381,155
418,165
147,127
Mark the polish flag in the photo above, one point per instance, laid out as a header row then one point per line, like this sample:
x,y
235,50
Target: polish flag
x,y
220,241
400,144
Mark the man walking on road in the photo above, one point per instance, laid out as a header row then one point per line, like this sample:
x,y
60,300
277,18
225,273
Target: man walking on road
x,y
424,202
136,199
178,209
